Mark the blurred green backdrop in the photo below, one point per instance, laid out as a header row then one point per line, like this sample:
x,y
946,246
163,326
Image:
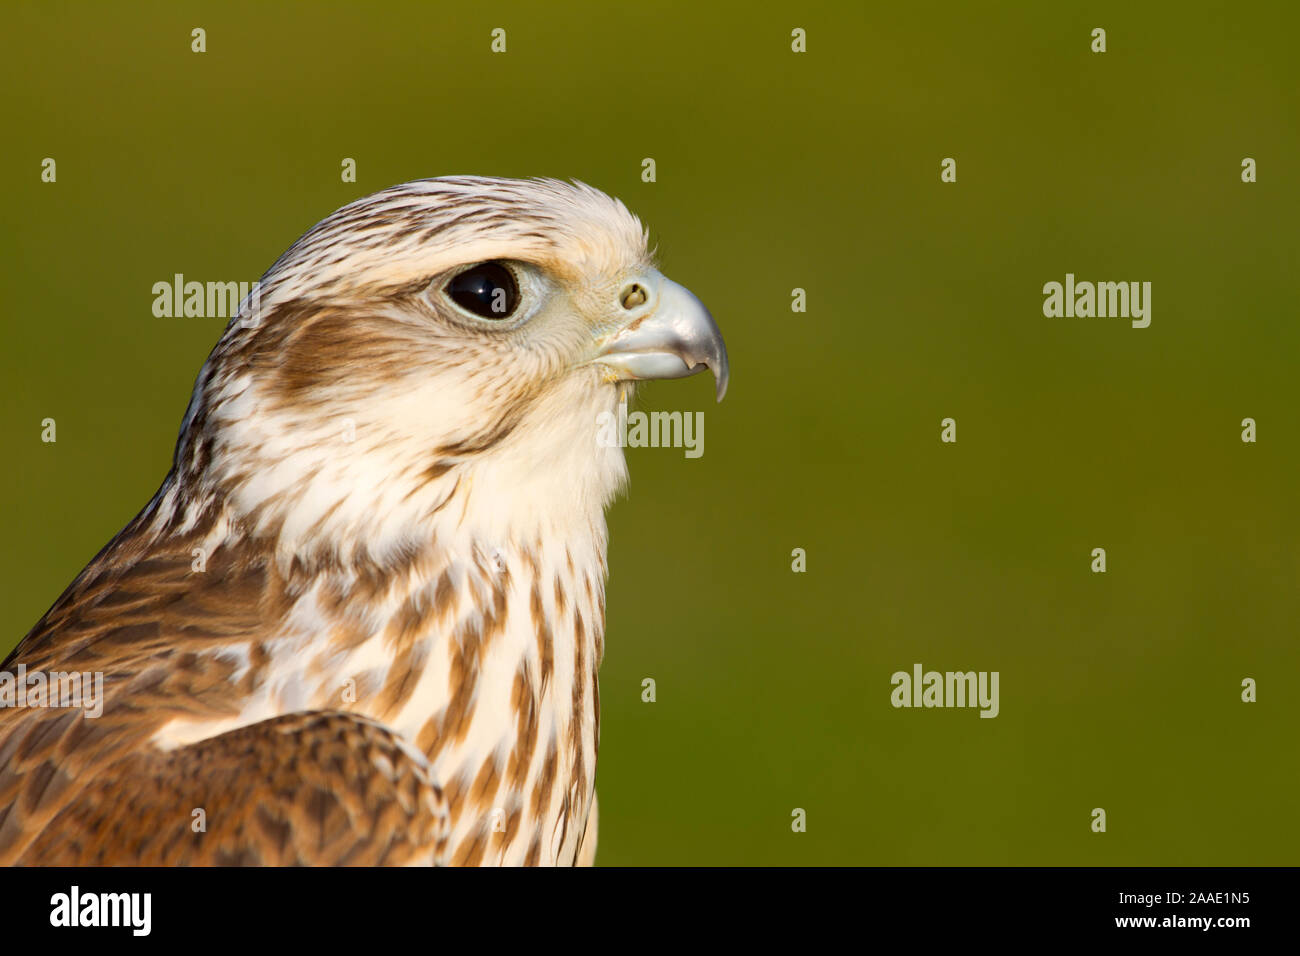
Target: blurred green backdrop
x,y
778,170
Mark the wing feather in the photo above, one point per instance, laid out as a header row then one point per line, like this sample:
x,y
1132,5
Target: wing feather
x,y
315,788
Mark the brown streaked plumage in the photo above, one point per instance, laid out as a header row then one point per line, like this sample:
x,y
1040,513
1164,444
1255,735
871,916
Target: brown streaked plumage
x,y
361,620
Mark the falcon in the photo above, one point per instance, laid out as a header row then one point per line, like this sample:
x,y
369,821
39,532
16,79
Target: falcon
x,y
361,620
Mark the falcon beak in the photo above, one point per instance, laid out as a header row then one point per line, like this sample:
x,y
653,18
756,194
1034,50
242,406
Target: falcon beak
x,y
672,337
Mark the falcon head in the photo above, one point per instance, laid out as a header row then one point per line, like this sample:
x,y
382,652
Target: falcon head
x,y
444,347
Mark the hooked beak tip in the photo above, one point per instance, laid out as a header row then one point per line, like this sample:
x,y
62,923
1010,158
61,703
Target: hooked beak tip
x,y
720,377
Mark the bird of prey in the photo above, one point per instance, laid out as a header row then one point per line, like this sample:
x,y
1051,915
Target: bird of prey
x,y
361,620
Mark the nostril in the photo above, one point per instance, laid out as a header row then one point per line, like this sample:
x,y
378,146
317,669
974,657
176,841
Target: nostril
x,y
635,296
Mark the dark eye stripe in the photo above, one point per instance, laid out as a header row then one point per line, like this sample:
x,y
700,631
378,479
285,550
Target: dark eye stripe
x,y
488,290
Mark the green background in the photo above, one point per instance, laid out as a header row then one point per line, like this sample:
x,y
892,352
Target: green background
x,y
775,171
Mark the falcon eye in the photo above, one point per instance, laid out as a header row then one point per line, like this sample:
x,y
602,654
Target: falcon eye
x,y
488,290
